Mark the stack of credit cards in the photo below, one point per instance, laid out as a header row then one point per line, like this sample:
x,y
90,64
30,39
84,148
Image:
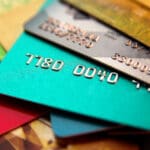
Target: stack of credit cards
x,y
88,61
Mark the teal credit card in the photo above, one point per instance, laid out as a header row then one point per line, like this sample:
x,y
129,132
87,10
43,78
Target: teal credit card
x,y
37,71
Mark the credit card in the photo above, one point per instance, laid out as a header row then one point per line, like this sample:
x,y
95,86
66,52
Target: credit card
x,y
37,71
69,125
69,28
12,26
2,52
128,16
14,114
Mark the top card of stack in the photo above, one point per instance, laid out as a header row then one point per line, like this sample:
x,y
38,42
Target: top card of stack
x,y
130,16
66,26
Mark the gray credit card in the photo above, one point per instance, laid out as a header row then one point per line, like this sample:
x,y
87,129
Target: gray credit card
x,y
66,26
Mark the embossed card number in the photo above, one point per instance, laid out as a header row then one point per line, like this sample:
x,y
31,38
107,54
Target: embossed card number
x,y
78,70
91,72
45,63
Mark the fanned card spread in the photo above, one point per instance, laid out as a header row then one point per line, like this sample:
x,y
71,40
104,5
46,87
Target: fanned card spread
x,y
38,71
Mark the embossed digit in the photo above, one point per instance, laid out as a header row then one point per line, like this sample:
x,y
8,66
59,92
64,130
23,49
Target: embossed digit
x,y
79,70
111,79
58,65
143,68
40,59
102,75
136,65
47,62
129,62
31,57
148,71
116,56
90,73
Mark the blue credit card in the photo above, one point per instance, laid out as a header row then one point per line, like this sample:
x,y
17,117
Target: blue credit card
x,y
40,72
68,125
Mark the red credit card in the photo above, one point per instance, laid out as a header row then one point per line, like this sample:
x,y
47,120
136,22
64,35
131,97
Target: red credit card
x,y
14,114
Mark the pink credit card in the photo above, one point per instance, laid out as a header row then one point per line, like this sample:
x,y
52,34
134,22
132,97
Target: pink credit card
x,y
14,113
